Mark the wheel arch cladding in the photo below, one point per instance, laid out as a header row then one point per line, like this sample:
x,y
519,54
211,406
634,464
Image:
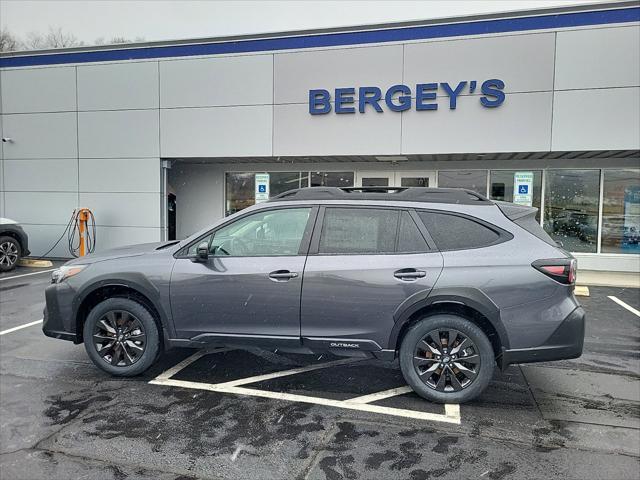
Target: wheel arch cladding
x,y
104,290
469,303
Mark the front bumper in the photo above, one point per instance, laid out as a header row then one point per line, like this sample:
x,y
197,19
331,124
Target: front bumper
x,y
565,343
58,313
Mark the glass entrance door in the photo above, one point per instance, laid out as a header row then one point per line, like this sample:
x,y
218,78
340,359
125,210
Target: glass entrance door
x,y
396,179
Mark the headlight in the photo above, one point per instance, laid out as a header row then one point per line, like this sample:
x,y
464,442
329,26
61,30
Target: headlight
x,y
65,272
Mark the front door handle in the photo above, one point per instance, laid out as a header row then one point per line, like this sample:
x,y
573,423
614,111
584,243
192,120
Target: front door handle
x,y
282,275
409,274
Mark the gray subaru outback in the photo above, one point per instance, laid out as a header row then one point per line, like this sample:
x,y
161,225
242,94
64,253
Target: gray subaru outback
x,y
445,280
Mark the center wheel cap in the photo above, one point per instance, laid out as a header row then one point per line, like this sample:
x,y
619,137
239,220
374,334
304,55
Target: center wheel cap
x,y
446,359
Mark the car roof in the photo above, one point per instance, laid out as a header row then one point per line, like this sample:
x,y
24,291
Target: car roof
x,y
398,194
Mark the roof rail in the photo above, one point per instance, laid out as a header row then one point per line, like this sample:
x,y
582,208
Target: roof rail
x,y
403,194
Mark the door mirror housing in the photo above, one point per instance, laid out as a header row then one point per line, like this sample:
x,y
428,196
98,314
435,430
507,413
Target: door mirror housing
x,y
202,252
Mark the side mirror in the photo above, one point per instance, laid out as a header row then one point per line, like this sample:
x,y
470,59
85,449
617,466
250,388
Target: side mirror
x,y
202,252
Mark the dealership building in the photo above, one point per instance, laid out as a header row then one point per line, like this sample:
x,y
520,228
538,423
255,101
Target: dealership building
x,y
161,139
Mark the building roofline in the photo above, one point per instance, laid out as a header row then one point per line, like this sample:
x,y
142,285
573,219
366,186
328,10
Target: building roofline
x,y
373,33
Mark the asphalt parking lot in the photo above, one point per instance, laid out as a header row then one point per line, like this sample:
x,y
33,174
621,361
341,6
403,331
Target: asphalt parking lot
x,y
254,414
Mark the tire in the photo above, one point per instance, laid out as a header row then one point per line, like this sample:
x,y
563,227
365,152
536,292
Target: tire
x,y
456,386
123,325
10,253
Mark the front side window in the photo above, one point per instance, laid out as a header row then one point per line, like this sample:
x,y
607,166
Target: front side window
x,y
452,232
358,231
262,234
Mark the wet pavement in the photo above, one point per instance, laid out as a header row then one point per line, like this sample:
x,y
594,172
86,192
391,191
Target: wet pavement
x,y
254,414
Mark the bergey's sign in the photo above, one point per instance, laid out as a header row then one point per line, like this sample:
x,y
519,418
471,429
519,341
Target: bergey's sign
x,y
399,98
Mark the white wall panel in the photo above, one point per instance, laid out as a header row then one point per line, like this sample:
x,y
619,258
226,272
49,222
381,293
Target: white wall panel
x,y
298,133
48,208
43,237
521,124
112,237
38,90
118,134
118,86
605,119
297,73
120,175
197,185
56,175
596,58
40,135
216,132
523,62
123,209
243,80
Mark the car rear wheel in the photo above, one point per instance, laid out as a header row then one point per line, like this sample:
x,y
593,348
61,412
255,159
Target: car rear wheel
x,y
121,337
446,359
10,253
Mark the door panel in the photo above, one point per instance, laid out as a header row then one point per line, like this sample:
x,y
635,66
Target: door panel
x,y
250,283
355,296
236,295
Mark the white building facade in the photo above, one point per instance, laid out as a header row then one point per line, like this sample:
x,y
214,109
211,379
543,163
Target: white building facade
x,y
160,140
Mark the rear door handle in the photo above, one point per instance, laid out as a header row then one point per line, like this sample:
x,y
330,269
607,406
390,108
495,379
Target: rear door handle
x,y
409,274
282,275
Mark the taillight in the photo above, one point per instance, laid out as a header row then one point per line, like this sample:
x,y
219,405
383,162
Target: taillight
x,y
562,270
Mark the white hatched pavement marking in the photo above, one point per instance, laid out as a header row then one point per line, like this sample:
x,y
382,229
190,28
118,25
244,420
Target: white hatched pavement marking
x,y
451,415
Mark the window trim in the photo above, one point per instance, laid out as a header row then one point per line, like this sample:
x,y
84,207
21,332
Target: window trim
x,y
503,235
317,232
304,242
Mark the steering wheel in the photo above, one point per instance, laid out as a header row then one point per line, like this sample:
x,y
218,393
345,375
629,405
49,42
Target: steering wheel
x,y
235,245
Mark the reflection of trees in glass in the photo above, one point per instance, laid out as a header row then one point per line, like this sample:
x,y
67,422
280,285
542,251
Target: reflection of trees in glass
x,y
571,208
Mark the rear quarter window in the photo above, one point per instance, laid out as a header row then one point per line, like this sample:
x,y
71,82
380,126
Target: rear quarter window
x,y
455,232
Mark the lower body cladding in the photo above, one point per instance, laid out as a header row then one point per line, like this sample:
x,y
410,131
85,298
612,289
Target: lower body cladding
x,y
346,347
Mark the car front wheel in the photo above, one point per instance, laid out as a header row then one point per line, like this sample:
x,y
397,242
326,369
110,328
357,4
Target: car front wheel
x,y
121,337
446,359
10,253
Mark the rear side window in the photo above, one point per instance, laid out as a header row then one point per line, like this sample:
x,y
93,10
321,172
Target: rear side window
x,y
453,232
358,230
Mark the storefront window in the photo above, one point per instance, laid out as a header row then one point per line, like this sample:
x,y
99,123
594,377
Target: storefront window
x,y
502,187
621,211
475,180
240,186
280,182
571,208
332,179
240,191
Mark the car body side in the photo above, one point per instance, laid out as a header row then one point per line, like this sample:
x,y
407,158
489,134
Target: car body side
x,y
523,312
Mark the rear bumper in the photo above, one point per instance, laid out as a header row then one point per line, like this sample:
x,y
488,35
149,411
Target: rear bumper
x,y
565,343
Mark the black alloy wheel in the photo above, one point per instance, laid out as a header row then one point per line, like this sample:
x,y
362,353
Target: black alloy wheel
x,y
122,337
446,360
119,338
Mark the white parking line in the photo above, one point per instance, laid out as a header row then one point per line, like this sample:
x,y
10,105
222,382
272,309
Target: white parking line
x,y
451,415
362,407
26,274
20,327
284,373
374,397
624,305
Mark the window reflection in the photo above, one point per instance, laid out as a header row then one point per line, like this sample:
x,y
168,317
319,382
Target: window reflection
x,y
571,208
475,180
332,179
621,211
502,186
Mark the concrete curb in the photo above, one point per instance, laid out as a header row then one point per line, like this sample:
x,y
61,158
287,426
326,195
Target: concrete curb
x,y
30,262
